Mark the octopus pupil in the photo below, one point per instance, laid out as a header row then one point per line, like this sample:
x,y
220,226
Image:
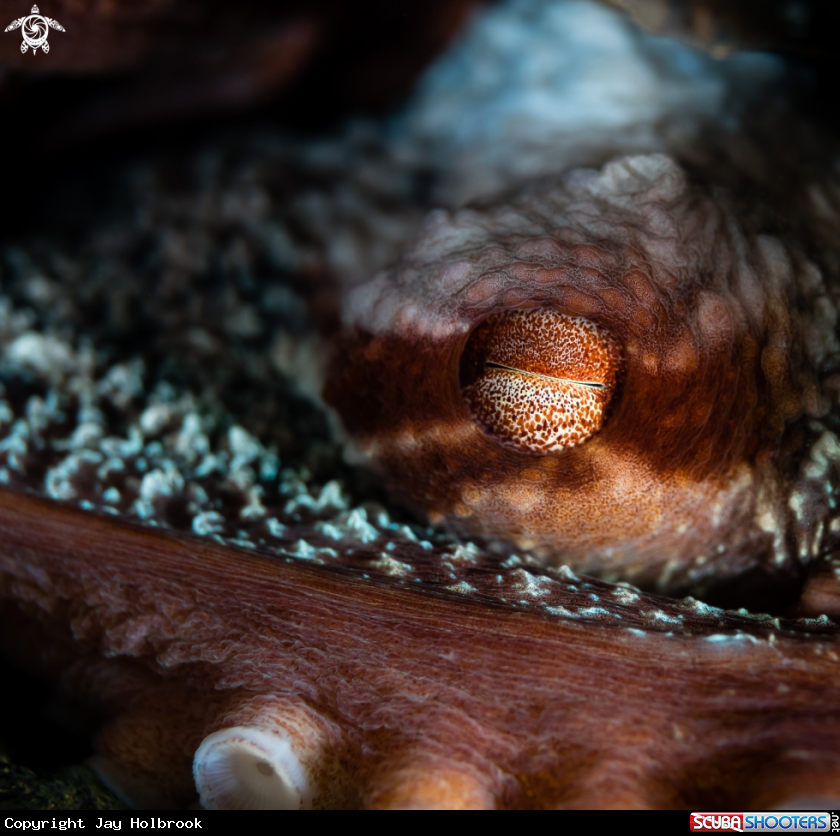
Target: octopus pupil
x,y
491,365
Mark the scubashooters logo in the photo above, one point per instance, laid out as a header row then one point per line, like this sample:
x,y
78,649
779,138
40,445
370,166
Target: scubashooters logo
x,y
35,28
773,822
719,822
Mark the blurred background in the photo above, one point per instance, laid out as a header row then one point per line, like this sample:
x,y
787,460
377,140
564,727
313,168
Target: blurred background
x,y
139,74
136,73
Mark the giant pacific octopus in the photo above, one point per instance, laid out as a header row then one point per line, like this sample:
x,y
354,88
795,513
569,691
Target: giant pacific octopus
x,y
618,374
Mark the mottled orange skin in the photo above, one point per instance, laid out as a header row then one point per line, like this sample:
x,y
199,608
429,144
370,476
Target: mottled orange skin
x,y
540,381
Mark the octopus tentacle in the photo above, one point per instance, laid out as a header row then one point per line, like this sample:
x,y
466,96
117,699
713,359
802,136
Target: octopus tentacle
x,y
406,698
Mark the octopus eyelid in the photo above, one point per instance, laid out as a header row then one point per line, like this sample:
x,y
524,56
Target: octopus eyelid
x,y
491,365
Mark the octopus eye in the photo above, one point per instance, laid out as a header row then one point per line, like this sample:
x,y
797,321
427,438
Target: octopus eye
x,y
540,381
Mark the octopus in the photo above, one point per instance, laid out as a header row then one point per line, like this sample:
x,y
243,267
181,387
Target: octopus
x,y
601,378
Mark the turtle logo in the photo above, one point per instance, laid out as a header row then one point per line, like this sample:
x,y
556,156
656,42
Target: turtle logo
x,y
36,27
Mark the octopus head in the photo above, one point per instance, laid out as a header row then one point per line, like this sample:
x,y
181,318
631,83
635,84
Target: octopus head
x,y
604,369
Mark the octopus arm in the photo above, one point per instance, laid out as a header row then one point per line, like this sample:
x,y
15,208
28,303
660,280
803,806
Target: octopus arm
x,y
385,694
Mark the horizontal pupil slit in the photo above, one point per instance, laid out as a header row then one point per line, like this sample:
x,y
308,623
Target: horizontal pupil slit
x,y
490,365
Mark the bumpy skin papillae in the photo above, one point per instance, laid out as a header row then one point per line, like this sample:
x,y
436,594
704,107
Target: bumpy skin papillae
x,y
727,331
